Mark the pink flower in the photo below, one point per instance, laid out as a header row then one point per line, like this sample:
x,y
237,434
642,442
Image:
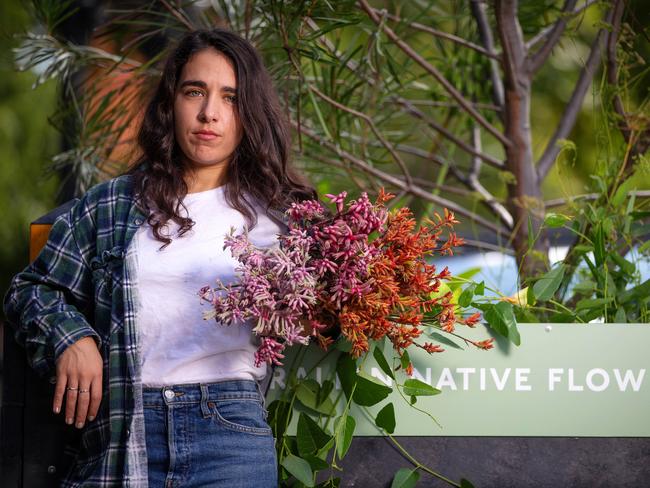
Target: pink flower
x,y
269,352
338,199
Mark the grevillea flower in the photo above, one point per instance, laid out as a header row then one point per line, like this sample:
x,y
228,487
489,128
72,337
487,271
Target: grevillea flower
x,y
364,269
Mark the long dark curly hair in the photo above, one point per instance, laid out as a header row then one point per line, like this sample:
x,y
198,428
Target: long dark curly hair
x,y
260,165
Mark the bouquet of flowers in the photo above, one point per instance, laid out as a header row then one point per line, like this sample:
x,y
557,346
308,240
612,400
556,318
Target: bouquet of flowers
x,y
362,269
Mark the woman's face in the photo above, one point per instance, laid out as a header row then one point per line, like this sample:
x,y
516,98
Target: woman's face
x,y
206,122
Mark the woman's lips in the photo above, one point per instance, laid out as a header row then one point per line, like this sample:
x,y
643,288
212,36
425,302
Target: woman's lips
x,y
206,136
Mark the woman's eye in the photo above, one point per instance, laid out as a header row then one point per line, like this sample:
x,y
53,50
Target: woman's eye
x,y
232,99
190,92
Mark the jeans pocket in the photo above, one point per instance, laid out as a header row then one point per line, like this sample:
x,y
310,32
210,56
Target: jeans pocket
x,y
240,415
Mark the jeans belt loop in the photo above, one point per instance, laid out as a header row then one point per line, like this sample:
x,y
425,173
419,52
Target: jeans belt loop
x,y
205,395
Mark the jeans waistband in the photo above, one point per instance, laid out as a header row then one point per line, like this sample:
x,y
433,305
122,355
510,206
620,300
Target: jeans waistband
x,y
202,392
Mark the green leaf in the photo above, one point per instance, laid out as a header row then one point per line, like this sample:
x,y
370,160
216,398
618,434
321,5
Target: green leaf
x,y
324,451
458,279
599,245
370,392
344,428
620,317
346,369
466,296
324,391
378,354
441,338
299,468
419,388
307,391
309,435
625,265
405,359
644,247
639,291
530,296
465,484
480,289
583,248
367,392
405,478
386,418
584,287
589,303
502,319
343,345
413,399
316,463
555,220
548,284
531,233
279,417
620,196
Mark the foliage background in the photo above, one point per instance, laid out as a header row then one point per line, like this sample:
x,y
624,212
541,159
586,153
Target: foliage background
x,y
28,141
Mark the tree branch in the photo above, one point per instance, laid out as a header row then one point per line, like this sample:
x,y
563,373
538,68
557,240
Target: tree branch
x,y
443,35
543,34
409,51
438,128
478,11
374,129
424,183
397,183
573,107
539,58
559,202
612,70
179,14
475,184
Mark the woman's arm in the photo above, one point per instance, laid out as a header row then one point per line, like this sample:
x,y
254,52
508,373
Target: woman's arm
x,y
45,305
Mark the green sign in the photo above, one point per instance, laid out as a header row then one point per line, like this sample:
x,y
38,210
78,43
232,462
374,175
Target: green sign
x,y
564,380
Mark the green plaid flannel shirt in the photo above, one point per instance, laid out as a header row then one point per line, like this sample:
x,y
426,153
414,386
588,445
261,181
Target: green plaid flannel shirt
x,y
83,283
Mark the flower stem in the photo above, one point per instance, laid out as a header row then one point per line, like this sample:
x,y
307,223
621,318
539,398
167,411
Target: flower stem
x,y
408,456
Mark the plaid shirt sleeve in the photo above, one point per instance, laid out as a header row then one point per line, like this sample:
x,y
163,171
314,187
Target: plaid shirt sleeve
x,y
47,302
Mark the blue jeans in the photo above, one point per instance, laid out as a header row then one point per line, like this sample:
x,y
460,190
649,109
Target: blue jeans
x,y
212,434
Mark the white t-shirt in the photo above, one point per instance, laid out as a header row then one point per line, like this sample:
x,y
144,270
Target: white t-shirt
x,y
177,344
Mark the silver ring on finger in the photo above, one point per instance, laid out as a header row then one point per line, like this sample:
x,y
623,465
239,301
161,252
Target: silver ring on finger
x,y
72,388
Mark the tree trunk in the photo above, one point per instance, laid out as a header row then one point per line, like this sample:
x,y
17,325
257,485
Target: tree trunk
x,y
524,192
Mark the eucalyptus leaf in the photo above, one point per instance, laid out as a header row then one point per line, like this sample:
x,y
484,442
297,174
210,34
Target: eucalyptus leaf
x,y
554,220
443,339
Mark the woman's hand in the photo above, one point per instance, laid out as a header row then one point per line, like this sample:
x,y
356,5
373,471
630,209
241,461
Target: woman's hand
x,y
79,378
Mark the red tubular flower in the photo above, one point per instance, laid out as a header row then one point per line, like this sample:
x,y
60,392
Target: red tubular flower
x,y
409,369
472,320
431,348
486,344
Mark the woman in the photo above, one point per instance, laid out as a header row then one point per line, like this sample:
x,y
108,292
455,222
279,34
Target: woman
x,y
110,305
